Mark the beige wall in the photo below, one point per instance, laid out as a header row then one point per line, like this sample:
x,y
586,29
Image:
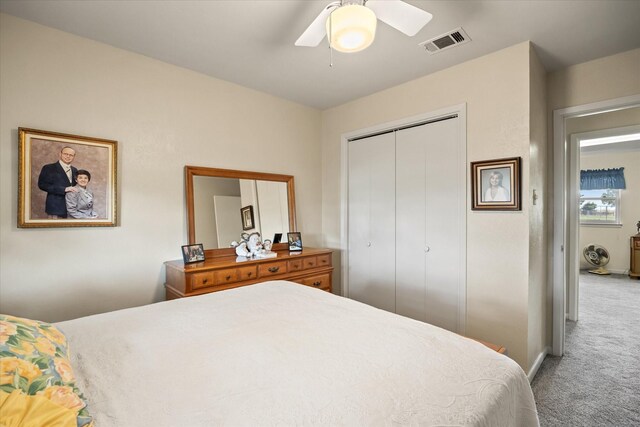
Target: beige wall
x,y
605,78
608,120
163,118
615,239
496,89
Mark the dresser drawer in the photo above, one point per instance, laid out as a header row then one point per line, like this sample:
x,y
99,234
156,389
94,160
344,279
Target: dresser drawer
x,y
295,265
310,262
272,269
228,275
321,281
202,280
247,273
324,260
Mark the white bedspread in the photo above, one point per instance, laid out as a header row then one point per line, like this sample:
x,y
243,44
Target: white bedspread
x,y
283,354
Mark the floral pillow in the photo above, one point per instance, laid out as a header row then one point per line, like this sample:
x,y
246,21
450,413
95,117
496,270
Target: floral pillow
x,y
34,365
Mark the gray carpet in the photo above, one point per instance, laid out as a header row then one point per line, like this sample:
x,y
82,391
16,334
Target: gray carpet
x,y
597,382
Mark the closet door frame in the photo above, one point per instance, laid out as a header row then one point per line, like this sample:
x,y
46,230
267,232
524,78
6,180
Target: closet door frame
x,y
461,111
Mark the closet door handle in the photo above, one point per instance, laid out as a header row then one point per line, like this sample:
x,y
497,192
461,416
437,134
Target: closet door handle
x,y
426,249
368,244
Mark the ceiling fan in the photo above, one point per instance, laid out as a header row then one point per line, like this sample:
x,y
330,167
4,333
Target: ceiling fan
x,y
351,25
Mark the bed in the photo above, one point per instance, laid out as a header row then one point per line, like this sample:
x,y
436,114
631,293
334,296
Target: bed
x,y
279,353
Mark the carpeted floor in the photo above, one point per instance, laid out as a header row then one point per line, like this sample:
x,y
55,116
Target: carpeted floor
x,y
597,382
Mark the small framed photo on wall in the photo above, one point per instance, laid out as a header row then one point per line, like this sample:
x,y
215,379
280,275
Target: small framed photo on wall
x,y
295,241
192,253
496,185
66,180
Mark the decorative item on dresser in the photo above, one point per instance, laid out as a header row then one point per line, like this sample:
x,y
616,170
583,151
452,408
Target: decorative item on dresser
x,y
311,267
634,262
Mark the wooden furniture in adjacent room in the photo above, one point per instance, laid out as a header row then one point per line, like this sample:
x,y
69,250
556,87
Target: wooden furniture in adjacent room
x,y
634,263
311,267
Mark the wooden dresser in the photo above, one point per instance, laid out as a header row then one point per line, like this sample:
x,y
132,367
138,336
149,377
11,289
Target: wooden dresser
x,y
634,262
311,267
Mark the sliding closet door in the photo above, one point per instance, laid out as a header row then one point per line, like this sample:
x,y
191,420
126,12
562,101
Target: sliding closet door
x,y
430,195
371,219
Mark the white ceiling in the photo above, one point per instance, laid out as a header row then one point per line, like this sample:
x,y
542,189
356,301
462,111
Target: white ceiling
x,y
251,42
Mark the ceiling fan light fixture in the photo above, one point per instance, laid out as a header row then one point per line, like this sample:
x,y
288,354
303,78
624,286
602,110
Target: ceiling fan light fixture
x,y
351,28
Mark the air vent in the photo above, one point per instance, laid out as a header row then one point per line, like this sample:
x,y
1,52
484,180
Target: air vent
x,y
446,41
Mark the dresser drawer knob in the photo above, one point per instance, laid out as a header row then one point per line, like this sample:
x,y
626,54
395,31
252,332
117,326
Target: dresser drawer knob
x,y
205,280
250,273
228,277
273,269
317,284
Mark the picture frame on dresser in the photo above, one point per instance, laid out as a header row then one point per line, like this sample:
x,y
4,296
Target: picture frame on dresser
x,y
192,253
295,241
49,191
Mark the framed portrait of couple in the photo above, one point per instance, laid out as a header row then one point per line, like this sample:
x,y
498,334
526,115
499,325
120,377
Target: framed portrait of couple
x,y
294,240
496,185
66,180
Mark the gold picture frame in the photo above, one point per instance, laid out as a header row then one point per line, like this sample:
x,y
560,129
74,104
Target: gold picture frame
x,y
496,185
43,157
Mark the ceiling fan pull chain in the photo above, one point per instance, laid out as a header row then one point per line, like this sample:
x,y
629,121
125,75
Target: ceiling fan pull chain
x,y
329,37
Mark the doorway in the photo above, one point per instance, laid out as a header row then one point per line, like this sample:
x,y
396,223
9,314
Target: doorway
x,y
565,241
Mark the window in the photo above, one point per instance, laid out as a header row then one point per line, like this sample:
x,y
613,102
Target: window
x,y
599,207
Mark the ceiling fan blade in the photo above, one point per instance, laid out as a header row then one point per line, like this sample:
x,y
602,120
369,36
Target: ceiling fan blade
x,y
315,32
400,15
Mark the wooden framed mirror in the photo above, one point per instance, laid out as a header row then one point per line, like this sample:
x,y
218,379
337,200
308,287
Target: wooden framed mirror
x,y
223,203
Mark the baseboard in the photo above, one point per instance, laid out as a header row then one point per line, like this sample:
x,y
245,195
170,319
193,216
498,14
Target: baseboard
x,y
536,365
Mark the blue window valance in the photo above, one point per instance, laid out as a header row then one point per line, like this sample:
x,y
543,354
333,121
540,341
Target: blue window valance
x,y
602,179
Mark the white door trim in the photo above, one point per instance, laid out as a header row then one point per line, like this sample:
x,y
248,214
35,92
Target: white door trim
x,y
563,261
461,111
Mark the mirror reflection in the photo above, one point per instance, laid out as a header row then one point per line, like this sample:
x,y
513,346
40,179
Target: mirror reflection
x,y
224,208
222,204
